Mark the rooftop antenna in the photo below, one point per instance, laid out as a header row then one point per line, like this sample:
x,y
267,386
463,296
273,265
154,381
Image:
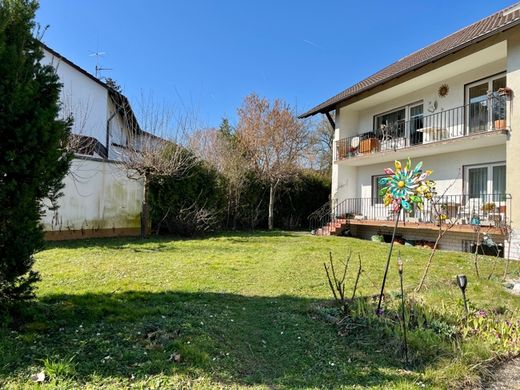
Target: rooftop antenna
x,y
98,67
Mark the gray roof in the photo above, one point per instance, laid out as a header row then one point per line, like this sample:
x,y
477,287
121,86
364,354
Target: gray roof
x,y
476,32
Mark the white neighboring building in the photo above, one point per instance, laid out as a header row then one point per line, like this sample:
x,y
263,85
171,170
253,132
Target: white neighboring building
x,y
99,199
455,105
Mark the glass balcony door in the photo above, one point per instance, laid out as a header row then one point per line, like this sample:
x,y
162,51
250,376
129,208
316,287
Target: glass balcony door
x,y
484,108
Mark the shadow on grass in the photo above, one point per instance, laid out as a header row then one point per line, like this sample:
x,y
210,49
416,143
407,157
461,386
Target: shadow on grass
x,y
161,240
232,339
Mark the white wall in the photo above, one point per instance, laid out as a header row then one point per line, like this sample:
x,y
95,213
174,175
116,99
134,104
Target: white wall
x,y
85,98
513,143
97,195
447,168
356,122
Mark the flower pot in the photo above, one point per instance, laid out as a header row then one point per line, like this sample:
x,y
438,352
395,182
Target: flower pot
x,y
369,145
500,124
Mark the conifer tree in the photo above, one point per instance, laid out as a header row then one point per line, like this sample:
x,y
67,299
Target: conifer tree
x,y
33,153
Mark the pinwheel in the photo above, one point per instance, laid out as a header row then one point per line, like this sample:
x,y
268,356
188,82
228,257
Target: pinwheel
x,y
404,187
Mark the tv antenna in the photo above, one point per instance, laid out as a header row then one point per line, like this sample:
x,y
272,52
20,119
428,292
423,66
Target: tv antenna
x,y
98,67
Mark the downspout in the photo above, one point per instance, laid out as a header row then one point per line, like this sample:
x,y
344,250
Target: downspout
x,y
108,132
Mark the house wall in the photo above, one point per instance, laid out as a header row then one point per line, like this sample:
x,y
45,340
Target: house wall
x,y
344,178
452,241
83,97
513,143
447,169
352,122
99,200
354,179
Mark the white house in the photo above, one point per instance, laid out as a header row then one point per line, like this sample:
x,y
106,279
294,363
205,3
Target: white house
x,y
99,199
455,105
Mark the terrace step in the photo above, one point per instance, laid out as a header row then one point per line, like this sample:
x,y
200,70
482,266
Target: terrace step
x,y
333,228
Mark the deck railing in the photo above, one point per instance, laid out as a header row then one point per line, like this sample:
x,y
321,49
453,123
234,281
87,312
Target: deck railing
x,y
486,115
483,209
478,209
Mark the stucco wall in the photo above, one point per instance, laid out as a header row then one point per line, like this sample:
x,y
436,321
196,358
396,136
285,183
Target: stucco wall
x,y
513,143
83,97
97,196
455,97
446,168
353,122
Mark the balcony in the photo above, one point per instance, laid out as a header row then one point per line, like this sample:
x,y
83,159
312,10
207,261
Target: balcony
x,y
489,211
478,118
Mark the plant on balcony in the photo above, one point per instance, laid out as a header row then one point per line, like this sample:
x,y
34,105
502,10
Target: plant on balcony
x,y
488,207
403,188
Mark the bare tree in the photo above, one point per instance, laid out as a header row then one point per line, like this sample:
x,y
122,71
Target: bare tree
x,y
154,148
220,148
273,139
322,140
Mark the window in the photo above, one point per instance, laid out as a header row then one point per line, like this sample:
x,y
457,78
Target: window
x,y
416,122
486,179
480,113
392,122
376,187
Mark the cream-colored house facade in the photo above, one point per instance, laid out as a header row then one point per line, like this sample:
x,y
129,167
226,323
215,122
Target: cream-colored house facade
x,y
455,105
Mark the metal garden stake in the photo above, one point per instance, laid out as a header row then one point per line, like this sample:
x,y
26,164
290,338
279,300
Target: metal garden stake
x,y
400,265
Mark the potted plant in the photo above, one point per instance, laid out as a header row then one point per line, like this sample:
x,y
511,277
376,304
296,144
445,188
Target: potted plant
x,y
499,111
488,208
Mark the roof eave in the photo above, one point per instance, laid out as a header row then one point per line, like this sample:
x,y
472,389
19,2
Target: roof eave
x,y
323,107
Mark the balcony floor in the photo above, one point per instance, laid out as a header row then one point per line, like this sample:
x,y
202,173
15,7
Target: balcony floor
x,y
459,228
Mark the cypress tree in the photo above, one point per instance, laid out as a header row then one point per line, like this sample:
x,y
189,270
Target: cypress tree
x,y
33,153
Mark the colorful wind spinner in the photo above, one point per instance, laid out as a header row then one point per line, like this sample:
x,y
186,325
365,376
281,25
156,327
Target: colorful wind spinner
x,y
405,187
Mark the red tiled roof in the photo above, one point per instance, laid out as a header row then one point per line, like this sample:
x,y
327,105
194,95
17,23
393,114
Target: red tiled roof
x,y
476,32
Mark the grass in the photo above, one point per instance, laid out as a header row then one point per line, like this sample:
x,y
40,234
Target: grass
x,y
229,311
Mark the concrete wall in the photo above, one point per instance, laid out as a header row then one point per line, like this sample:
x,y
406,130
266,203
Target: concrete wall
x,y
452,241
99,200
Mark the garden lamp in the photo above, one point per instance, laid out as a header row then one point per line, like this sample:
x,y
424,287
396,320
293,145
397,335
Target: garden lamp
x,y
462,282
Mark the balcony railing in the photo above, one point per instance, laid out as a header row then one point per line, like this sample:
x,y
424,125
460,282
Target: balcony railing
x,y
491,210
474,118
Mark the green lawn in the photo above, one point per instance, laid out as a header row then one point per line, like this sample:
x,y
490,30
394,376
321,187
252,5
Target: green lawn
x,y
237,310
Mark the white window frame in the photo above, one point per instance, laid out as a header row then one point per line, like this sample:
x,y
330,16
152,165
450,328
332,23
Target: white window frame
x,y
489,167
489,80
407,117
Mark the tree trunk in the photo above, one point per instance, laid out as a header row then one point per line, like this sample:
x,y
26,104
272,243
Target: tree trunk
x,y
270,224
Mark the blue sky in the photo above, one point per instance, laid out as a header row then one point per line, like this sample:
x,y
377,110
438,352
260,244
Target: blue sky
x,y
208,55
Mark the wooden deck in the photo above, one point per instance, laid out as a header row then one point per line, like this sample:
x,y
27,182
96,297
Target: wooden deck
x,y
461,228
